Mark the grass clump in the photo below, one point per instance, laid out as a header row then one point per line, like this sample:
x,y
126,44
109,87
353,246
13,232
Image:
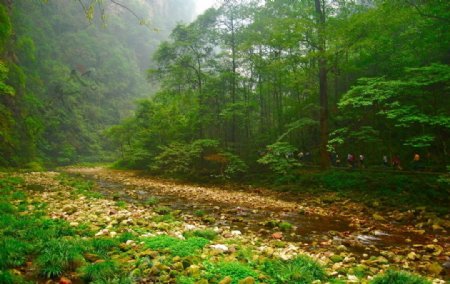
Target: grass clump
x,y
285,226
162,210
399,277
199,213
121,204
103,272
58,256
176,246
13,252
206,234
236,270
102,246
300,270
151,201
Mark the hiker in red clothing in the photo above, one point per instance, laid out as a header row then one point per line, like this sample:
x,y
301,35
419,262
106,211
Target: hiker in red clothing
x,y
396,163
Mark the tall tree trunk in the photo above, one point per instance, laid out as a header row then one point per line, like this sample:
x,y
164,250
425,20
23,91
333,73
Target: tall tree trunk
x,y
320,14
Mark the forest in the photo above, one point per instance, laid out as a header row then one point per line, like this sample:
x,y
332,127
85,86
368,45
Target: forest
x,y
237,141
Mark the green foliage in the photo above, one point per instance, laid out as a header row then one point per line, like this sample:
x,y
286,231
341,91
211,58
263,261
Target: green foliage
x,y
57,256
151,201
301,269
104,272
399,277
236,270
102,246
280,158
206,234
199,213
285,226
162,210
201,157
13,252
176,246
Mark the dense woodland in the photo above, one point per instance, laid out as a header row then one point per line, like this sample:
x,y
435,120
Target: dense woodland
x,y
264,81
68,72
247,83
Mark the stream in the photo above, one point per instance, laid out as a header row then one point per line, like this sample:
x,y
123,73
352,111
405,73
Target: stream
x,y
308,230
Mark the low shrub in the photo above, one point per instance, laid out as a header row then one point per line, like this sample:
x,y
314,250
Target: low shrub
x,y
236,270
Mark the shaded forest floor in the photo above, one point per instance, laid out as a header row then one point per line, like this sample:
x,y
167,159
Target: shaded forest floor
x,y
130,227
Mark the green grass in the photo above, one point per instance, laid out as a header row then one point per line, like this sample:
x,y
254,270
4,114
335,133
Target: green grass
x,y
215,272
300,270
121,204
102,246
58,256
285,226
206,234
199,213
151,201
176,247
104,272
399,277
162,210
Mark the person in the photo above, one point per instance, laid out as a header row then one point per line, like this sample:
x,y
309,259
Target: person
x,y
338,161
416,161
385,161
300,156
396,163
350,160
361,161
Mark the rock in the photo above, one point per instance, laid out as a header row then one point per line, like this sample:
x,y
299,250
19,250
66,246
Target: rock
x,y
220,247
74,224
189,227
236,233
130,242
112,234
193,270
226,280
434,268
178,266
336,258
64,280
412,256
248,280
277,235
378,217
352,279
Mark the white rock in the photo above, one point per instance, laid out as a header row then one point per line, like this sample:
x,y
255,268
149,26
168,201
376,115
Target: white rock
x,y
129,242
112,234
219,247
236,233
189,227
352,278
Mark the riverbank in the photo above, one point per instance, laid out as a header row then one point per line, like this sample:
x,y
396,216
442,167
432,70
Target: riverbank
x,y
136,229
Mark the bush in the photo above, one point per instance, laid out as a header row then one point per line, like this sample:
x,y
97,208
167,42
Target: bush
x,y
399,277
200,158
280,159
301,270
